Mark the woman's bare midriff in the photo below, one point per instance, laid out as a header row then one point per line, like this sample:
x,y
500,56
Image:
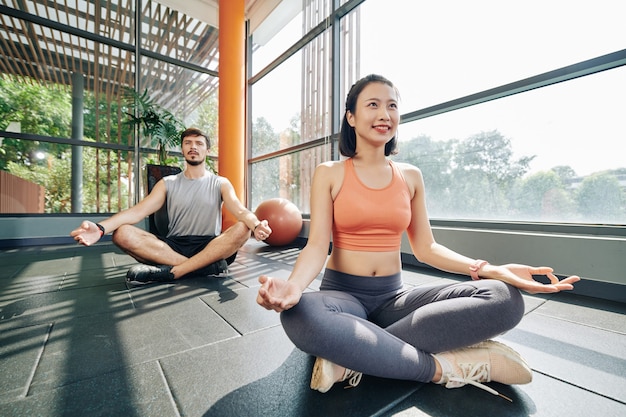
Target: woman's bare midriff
x,y
369,264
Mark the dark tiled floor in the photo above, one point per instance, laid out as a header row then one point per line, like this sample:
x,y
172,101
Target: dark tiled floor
x,y
76,341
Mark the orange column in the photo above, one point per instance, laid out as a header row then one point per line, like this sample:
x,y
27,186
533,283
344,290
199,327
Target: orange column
x,y
232,97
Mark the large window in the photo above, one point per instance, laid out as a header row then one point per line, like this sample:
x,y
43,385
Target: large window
x,y
442,50
512,112
549,154
288,176
291,108
70,65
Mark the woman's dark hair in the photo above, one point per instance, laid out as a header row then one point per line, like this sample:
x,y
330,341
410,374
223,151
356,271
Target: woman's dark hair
x,y
347,135
193,131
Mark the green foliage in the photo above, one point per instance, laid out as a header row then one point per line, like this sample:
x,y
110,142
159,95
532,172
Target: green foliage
x,y
102,119
565,173
169,160
478,178
266,182
600,198
206,120
433,158
491,154
468,178
543,196
53,177
204,117
159,125
100,181
39,110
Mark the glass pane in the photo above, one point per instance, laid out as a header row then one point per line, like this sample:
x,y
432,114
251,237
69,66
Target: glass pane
x,y
38,179
551,154
114,18
270,118
277,33
38,72
180,36
303,112
437,51
27,106
288,177
182,98
177,89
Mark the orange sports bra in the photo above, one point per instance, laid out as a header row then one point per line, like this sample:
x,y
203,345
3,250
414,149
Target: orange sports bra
x,y
369,219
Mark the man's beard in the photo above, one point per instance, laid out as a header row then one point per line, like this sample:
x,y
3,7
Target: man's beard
x,y
194,162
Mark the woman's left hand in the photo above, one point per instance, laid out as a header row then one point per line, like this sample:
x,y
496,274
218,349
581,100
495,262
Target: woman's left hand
x,y
522,277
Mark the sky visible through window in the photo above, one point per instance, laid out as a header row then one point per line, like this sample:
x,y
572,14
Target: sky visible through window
x,y
438,51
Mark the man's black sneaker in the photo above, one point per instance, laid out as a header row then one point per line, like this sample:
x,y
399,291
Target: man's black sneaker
x,y
217,269
145,274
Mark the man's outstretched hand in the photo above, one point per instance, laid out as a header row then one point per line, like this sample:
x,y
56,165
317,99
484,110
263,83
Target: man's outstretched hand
x,y
87,234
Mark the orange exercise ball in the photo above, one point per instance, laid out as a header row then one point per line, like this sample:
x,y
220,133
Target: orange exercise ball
x,y
284,219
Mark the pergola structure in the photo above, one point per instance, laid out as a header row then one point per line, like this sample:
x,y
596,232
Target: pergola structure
x,y
173,53
46,41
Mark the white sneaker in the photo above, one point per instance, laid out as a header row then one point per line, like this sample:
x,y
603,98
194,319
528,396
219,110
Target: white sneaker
x,y
323,377
485,362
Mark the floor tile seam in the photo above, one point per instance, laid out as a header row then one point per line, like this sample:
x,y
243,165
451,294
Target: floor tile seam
x,y
171,395
99,268
54,287
143,309
534,309
156,360
191,349
215,343
564,381
129,294
4,329
240,281
60,286
32,322
262,329
591,326
43,389
588,302
95,285
16,272
33,372
221,316
36,250
391,405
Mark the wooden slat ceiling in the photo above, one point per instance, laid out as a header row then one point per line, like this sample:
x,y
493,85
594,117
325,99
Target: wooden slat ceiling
x,y
37,53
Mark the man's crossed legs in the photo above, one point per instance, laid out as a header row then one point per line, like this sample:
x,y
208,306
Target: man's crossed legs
x,y
168,259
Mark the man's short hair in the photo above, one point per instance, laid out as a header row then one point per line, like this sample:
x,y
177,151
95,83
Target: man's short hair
x,y
194,131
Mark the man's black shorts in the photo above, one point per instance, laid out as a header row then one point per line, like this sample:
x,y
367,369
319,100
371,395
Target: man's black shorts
x,y
190,245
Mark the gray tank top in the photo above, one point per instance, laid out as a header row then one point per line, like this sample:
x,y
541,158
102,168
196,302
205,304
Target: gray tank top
x,y
194,207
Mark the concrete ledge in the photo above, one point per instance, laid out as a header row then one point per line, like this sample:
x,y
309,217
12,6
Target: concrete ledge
x,y
599,260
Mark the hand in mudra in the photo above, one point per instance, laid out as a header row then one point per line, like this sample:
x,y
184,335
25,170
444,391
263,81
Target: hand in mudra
x,y
87,234
522,277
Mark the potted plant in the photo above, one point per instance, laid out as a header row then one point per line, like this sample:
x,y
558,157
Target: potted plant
x,y
156,123
163,130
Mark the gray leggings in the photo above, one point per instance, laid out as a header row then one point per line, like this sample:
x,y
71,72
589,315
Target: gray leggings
x,y
373,325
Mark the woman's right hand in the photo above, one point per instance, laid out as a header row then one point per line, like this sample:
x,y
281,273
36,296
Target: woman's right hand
x,y
277,294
